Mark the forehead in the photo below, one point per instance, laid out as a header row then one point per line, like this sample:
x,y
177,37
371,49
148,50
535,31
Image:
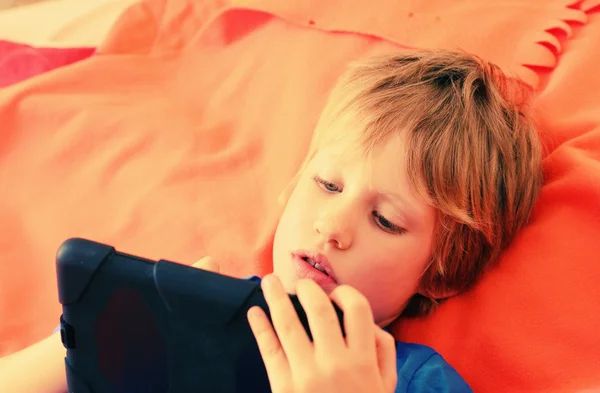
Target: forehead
x,y
363,149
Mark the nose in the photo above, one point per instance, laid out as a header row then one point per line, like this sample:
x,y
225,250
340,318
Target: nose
x,y
334,229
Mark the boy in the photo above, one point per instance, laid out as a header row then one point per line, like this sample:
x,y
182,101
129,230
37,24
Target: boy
x,y
421,171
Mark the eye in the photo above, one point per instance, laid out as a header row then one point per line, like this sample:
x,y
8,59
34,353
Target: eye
x,y
386,224
327,186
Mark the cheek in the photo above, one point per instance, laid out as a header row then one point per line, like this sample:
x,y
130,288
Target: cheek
x,y
389,282
293,220
299,207
395,280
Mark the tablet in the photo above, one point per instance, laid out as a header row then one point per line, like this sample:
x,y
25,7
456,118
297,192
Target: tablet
x,y
132,325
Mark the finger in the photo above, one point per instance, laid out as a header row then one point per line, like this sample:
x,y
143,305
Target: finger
x,y
358,320
322,319
207,263
292,336
386,358
276,363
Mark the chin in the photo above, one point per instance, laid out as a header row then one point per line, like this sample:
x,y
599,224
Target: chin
x,y
386,322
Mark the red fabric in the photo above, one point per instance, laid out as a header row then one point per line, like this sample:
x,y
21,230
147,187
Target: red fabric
x,y
19,61
176,141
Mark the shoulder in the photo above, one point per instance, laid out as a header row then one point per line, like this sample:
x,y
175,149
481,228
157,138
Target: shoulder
x,y
423,370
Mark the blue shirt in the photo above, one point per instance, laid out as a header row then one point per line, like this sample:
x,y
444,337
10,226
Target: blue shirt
x,y
423,370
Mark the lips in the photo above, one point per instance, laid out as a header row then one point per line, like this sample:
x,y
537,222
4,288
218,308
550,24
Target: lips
x,y
315,264
316,267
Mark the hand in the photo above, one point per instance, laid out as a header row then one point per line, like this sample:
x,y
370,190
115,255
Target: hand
x,y
207,263
363,361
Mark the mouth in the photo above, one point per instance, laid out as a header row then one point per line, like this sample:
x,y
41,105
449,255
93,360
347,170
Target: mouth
x,y
316,262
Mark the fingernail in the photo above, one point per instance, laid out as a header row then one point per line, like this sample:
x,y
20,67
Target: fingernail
x,y
253,313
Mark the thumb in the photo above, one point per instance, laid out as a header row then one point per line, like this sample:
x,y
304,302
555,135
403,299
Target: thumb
x,y
207,263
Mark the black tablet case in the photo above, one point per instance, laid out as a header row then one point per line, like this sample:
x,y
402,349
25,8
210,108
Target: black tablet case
x,y
133,325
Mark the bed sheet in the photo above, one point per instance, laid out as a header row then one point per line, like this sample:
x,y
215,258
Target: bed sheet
x,y
188,99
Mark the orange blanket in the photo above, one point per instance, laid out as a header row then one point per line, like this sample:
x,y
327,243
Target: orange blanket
x,y
176,141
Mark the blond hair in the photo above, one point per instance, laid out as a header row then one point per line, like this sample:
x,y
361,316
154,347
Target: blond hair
x,y
473,152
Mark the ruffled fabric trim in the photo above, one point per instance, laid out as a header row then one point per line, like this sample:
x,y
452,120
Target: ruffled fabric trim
x,y
517,36
589,5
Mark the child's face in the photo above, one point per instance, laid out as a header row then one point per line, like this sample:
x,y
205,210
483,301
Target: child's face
x,y
361,220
